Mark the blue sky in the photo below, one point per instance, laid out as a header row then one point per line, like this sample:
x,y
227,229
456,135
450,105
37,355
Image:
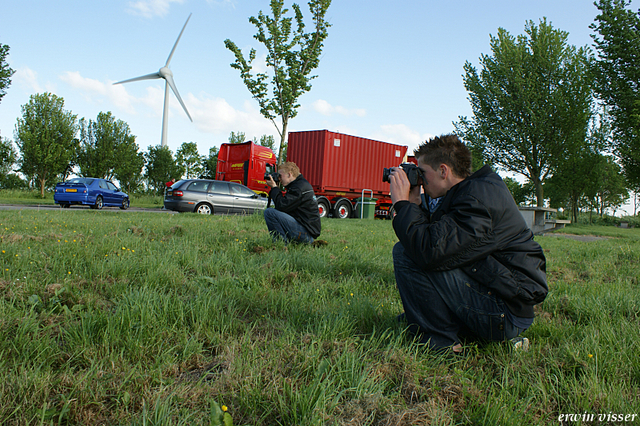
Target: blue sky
x,y
391,71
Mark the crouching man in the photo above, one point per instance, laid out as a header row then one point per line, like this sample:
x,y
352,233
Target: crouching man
x,y
468,266
295,216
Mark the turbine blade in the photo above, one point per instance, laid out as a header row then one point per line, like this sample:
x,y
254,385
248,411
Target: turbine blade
x,y
176,44
175,91
144,77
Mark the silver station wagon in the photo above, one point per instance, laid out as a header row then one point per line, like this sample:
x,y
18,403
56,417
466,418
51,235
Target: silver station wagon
x,y
207,196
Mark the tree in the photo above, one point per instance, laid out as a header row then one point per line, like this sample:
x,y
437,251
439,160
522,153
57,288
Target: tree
x,y
5,71
160,167
610,187
7,157
105,144
236,137
189,160
617,75
45,136
130,162
292,56
576,174
210,163
268,141
531,102
521,193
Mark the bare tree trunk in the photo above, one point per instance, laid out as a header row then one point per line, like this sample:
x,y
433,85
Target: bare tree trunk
x,y
42,183
283,138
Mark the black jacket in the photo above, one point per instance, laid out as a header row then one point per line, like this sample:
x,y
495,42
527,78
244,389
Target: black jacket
x,y
479,229
300,203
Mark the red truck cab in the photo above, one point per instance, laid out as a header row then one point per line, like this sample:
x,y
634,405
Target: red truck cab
x,y
246,163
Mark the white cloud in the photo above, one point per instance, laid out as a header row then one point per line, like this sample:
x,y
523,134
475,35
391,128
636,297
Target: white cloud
x,y
211,115
95,91
29,78
151,8
401,134
216,115
325,108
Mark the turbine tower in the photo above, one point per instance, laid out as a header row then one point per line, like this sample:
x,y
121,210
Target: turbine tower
x,y
167,75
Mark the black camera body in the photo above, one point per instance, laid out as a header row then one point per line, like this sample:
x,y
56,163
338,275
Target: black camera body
x,y
275,176
412,171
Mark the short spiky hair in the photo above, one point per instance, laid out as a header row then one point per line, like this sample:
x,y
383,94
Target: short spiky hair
x,y
446,149
289,167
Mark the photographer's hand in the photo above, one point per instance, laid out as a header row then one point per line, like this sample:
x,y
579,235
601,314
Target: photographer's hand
x,y
400,186
270,182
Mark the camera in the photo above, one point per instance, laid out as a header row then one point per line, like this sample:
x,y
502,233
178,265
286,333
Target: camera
x,y
275,176
412,171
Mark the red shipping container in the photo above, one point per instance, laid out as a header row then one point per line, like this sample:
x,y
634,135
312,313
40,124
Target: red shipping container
x,y
343,164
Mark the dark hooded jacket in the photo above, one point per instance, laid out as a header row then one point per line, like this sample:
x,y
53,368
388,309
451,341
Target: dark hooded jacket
x,y
300,203
478,229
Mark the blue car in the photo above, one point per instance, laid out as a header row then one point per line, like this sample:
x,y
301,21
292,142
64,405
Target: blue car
x,y
94,192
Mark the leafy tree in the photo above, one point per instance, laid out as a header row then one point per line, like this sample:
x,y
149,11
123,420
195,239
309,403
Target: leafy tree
x,y
45,136
577,174
189,159
292,56
161,167
237,137
568,185
104,145
130,162
617,75
5,71
531,102
521,194
8,156
210,163
268,141
610,187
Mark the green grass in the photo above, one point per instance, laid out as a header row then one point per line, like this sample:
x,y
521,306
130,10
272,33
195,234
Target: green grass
x,y
153,319
11,196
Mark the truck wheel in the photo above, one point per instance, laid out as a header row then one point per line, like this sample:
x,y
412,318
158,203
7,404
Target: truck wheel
x,y
342,210
323,207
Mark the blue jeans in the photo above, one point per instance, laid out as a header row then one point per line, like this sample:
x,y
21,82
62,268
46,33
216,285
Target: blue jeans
x,y
282,225
442,305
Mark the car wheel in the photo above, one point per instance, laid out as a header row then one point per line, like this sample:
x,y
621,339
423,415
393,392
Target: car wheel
x,y
323,207
65,206
204,208
342,210
99,202
125,204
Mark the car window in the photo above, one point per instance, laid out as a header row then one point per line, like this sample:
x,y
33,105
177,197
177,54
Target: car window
x,y
198,186
111,186
241,191
103,184
86,181
219,188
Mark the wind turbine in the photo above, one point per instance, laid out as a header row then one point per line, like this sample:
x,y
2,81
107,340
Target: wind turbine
x,y
167,75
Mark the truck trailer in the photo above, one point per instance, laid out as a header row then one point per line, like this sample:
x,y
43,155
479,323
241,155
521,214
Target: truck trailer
x,y
345,171
246,163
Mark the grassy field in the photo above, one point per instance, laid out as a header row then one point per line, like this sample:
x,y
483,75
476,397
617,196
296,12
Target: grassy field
x,y
8,196
155,319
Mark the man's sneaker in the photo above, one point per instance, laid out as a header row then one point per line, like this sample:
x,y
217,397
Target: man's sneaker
x,y
520,343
